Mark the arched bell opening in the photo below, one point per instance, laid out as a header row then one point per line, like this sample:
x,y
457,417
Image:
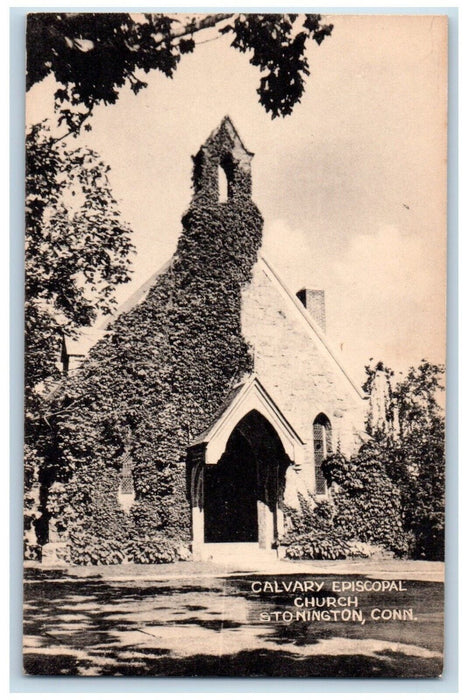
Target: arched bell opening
x,y
222,167
222,185
242,493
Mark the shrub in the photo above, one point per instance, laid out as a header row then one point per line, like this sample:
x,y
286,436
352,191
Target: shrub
x,y
85,550
363,518
364,550
156,551
367,505
310,534
317,545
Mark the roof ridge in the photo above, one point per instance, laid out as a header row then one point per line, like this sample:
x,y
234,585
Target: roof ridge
x,y
312,323
226,120
138,295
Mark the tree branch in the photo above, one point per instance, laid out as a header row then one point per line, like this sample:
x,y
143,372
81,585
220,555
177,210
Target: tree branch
x,y
196,25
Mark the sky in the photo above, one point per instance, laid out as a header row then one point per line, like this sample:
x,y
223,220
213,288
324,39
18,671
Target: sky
x,y
352,185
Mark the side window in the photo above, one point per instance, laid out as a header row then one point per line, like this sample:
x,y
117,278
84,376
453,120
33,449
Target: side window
x,y
322,449
126,494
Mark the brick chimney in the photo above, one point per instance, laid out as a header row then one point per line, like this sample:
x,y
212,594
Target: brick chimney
x,y
314,302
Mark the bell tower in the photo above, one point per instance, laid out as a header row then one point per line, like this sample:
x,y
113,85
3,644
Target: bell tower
x,y
223,158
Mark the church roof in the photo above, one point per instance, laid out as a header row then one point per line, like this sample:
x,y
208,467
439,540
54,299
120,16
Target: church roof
x,y
248,396
227,125
312,326
91,337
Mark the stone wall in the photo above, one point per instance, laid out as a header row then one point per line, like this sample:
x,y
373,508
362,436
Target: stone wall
x,y
295,366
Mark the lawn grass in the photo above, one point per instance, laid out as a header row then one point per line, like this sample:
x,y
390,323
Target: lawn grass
x,y
193,621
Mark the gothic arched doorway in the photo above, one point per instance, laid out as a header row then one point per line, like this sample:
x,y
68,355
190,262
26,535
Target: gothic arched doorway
x,y
243,491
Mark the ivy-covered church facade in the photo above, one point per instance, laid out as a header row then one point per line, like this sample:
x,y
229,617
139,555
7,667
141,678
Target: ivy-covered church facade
x,y
209,403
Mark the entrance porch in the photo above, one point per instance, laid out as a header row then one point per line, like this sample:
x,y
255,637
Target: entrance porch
x,y
237,473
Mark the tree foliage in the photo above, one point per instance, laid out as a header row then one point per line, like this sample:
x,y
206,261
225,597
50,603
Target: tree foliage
x,y
93,55
76,251
367,505
391,493
412,450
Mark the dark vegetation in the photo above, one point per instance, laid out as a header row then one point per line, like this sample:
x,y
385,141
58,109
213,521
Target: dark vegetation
x,y
94,55
144,392
78,250
389,498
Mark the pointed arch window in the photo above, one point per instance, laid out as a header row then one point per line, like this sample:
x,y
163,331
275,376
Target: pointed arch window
x,y
322,436
126,493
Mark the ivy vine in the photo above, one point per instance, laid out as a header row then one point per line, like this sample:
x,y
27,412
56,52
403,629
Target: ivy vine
x,y
147,389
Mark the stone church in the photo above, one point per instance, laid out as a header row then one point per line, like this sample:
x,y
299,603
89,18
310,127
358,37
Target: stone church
x,y
267,440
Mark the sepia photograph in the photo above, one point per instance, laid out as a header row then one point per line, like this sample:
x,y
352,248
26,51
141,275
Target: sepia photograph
x,y
235,345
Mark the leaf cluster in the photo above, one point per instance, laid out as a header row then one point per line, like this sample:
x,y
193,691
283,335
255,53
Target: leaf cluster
x,y
93,55
311,533
365,508
412,451
77,250
279,50
368,506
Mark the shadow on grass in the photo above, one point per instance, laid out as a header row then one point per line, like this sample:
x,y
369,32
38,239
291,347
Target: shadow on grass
x,y
85,616
258,663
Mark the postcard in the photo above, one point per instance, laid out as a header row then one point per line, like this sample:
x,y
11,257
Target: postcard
x,y
235,345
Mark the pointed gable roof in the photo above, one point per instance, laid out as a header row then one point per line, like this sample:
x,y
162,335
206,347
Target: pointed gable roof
x,y
90,338
248,396
227,129
310,325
